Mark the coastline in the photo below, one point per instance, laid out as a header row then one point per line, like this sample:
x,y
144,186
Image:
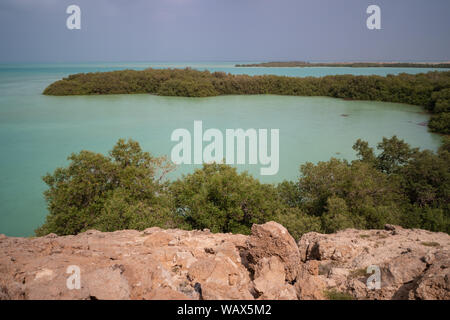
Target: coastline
x,y
304,64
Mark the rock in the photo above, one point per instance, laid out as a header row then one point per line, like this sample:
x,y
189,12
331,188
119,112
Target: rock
x,y
339,274
309,284
214,291
307,246
407,261
330,250
310,287
434,284
270,280
158,239
165,293
151,230
402,269
272,239
389,227
44,273
311,267
268,264
201,270
107,284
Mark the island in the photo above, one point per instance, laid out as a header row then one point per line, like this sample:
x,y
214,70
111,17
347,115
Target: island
x,y
430,90
304,64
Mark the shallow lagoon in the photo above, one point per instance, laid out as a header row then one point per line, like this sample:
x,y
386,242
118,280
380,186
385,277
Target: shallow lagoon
x,y
37,132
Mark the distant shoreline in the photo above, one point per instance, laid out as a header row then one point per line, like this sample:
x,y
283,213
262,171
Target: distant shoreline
x,y
304,64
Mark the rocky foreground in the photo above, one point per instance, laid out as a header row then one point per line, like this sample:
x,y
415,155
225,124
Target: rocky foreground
x,y
268,264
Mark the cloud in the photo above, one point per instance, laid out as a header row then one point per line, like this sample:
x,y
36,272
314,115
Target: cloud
x,y
21,5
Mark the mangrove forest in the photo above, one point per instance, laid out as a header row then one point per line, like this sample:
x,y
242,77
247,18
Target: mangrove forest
x,y
430,90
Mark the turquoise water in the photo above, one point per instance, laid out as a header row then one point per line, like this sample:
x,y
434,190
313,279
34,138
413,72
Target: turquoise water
x,y
37,132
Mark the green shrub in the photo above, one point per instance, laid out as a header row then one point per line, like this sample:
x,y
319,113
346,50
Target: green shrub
x,y
127,190
119,191
298,222
219,198
440,123
336,295
336,217
431,244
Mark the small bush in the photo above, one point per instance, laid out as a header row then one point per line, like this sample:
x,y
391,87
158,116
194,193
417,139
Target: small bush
x,y
430,244
336,295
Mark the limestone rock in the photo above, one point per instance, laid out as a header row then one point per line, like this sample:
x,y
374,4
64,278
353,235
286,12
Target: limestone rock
x,y
272,239
413,263
434,284
268,264
270,280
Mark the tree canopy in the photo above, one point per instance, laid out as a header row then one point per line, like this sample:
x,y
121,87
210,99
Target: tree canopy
x,y
127,189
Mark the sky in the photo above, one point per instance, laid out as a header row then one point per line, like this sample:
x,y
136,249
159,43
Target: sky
x,y
224,30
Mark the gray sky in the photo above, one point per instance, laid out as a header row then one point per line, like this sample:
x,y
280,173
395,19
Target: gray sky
x,y
224,30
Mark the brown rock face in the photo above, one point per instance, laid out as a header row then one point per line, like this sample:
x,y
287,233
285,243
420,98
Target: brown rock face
x,y
268,264
435,282
272,239
270,280
413,264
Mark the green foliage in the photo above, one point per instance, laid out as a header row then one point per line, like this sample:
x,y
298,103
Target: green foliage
x,y
423,179
430,90
354,194
441,101
399,185
297,222
220,199
426,179
359,273
431,244
337,216
440,123
187,88
278,64
289,193
394,154
336,295
364,152
127,190
121,191
433,219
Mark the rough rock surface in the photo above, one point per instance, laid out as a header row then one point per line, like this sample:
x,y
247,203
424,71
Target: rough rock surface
x,y
268,264
413,263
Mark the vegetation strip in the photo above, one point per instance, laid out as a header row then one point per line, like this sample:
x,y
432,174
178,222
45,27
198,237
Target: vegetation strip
x,y
430,90
304,64
127,190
